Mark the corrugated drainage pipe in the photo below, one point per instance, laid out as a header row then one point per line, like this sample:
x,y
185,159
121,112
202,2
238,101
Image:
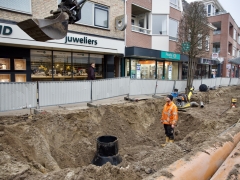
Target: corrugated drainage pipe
x,y
204,164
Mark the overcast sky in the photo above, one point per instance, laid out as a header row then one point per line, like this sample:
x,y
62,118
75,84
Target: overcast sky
x,y
231,6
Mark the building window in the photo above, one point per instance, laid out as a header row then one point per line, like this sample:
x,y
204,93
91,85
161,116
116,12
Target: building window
x,y
23,6
234,52
174,3
207,43
94,15
159,24
101,16
210,10
238,39
173,29
234,34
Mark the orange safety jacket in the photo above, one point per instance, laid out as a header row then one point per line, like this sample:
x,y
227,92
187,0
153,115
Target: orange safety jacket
x,y
169,114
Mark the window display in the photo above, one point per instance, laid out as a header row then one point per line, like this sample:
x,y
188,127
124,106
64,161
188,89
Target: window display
x,y
143,69
20,77
159,70
19,64
41,65
5,78
4,64
80,65
171,70
62,66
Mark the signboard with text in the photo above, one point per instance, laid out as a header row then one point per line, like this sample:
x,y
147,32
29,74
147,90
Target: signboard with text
x,y
170,55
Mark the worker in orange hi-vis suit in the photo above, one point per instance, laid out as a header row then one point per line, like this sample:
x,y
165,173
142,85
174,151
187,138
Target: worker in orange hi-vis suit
x,y
169,119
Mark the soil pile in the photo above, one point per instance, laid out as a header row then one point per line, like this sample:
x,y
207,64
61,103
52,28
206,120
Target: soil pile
x,y
61,146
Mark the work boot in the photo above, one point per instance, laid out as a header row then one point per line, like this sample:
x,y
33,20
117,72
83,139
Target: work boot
x,y
171,141
167,141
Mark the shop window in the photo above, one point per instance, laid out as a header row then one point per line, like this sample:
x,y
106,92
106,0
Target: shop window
x,y
20,78
98,60
127,73
94,15
41,65
198,72
19,64
159,24
171,70
62,66
173,29
5,78
4,64
142,69
23,6
80,65
160,70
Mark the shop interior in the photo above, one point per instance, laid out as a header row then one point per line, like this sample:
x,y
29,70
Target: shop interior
x,y
60,66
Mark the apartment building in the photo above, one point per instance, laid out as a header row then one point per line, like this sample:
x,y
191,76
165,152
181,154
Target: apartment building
x,y
94,38
151,39
226,39
151,42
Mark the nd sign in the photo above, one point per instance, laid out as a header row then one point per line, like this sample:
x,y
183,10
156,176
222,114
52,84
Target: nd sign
x,y
5,30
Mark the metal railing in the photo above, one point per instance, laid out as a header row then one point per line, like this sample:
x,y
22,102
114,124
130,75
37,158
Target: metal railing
x,y
140,29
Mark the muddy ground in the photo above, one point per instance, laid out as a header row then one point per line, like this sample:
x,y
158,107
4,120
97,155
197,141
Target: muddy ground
x,y
61,145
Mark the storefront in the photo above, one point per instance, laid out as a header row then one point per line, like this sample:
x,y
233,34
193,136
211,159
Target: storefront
x,y
23,59
142,63
206,68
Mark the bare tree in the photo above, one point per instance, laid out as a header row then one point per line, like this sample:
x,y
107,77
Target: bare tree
x,y
193,37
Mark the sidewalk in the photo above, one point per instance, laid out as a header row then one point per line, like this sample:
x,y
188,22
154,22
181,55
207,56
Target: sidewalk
x,y
66,108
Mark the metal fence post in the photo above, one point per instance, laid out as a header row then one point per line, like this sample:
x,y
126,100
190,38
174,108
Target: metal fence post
x,y
37,95
91,92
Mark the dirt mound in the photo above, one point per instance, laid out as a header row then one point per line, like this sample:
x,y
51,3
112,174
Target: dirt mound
x,y
62,146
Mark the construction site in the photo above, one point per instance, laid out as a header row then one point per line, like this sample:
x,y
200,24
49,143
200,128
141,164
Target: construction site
x,y
61,144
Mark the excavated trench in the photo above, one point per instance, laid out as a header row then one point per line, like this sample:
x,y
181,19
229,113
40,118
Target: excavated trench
x,y
62,145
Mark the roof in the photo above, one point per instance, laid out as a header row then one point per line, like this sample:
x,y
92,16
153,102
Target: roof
x,y
235,61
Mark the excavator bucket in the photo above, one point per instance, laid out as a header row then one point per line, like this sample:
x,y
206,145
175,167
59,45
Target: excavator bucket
x,y
54,27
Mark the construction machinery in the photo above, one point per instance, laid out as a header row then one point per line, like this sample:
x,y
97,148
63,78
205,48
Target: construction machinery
x,y
183,100
56,25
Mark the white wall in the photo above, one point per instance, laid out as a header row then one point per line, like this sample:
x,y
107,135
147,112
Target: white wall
x,y
160,43
160,6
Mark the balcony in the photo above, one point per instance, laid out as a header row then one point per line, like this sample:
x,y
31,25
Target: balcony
x,y
140,29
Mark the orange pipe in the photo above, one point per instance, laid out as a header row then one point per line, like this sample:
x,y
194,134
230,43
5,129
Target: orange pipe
x,y
228,167
202,165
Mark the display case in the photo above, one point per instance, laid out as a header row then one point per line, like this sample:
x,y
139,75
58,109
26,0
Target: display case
x,y
20,64
4,64
5,78
20,77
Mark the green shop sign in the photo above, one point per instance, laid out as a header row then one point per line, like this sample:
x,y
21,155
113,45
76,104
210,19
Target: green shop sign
x,y
170,55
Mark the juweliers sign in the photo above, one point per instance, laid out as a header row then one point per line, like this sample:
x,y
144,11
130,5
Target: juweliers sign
x,y
83,40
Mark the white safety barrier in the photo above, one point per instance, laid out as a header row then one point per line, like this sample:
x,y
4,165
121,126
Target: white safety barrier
x,y
138,87
218,82
64,92
225,81
107,88
197,83
233,81
208,82
238,82
164,86
15,96
181,85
